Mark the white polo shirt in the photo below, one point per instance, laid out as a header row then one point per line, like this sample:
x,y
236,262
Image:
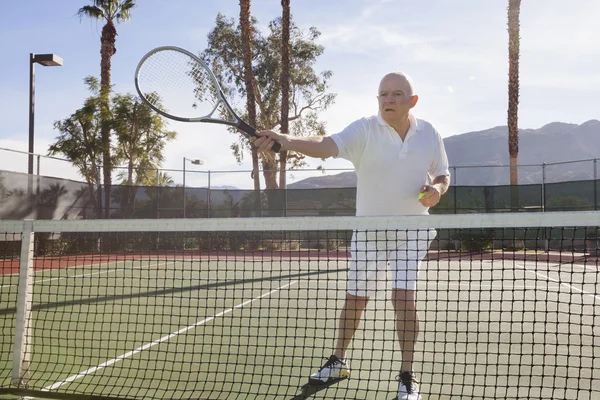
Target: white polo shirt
x,y
391,171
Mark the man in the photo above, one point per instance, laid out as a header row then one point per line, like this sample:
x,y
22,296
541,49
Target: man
x,y
396,157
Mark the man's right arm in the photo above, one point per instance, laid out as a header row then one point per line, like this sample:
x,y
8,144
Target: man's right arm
x,y
312,146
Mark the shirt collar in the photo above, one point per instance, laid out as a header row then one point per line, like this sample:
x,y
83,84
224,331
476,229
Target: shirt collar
x,y
414,125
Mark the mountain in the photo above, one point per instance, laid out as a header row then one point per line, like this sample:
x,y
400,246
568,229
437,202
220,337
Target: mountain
x,y
555,143
341,180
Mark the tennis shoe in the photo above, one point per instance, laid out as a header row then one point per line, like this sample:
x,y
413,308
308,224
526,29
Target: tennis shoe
x,y
408,388
334,368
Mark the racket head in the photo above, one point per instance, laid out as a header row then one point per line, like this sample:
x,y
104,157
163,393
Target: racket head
x,y
179,85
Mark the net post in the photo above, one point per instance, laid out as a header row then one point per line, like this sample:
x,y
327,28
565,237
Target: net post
x,y
22,351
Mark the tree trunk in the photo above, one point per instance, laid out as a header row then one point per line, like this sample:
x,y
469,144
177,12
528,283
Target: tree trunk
x,y
107,49
249,82
285,85
270,174
92,178
513,88
513,107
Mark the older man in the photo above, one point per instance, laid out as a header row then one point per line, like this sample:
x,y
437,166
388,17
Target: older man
x,y
396,157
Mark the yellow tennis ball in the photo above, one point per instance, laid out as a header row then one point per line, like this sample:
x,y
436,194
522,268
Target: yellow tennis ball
x,y
421,195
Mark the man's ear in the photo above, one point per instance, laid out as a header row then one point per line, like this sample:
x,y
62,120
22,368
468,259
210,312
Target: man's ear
x,y
414,100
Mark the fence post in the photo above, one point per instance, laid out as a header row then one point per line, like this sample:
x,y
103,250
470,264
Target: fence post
x,y
99,197
595,184
208,196
184,194
543,187
455,190
37,185
157,194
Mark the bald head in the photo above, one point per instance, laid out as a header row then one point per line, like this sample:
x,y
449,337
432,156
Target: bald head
x,y
396,98
398,80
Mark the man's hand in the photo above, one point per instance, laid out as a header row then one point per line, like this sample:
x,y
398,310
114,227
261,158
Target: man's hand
x,y
266,139
432,195
434,192
312,146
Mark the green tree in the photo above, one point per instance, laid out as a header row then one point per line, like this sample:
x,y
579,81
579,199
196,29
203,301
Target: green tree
x,y
163,179
81,143
142,136
107,11
308,94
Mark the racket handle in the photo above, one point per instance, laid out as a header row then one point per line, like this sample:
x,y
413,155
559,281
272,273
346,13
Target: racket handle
x,y
250,130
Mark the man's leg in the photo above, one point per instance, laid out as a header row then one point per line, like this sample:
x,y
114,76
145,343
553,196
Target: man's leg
x,y
407,325
337,366
348,323
363,278
407,260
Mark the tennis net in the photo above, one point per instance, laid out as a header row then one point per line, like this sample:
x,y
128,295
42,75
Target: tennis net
x,y
509,306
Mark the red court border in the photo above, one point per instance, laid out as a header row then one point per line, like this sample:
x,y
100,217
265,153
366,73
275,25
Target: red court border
x,y
11,266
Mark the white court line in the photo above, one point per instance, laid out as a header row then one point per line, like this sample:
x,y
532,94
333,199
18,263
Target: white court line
x,y
571,288
158,341
526,269
478,286
85,275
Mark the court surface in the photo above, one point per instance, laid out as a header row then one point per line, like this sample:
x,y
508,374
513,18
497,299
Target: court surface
x,y
257,328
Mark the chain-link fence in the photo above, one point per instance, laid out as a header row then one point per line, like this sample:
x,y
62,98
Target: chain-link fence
x,y
547,187
55,198
464,175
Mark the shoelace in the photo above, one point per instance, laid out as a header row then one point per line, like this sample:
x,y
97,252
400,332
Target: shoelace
x,y
331,361
408,383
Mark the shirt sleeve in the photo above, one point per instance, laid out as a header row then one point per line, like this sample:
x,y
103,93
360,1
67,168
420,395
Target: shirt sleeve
x,y
351,141
439,166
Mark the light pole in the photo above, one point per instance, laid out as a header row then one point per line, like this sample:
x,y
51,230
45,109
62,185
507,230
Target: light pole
x,y
47,60
195,161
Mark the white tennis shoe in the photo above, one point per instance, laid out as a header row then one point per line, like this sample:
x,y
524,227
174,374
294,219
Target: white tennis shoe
x,y
334,368
408,388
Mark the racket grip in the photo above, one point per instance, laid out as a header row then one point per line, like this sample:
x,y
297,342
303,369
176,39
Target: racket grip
x,y
244,127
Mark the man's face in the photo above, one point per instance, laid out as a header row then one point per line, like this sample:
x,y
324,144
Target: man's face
x,y
395,98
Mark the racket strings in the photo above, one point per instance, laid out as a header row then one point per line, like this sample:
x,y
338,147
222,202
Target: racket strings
x,y
177,84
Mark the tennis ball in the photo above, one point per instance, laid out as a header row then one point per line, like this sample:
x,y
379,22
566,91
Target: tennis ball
x,y
421,195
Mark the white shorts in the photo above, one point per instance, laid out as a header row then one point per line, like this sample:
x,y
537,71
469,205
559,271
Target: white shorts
x,y
374,253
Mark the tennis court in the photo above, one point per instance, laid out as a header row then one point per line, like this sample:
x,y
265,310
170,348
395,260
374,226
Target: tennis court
x,y
255,325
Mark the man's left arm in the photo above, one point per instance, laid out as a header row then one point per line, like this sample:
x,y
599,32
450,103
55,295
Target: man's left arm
x,y
438,187
441,183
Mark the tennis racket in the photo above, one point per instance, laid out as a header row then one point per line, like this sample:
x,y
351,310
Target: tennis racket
x,y
178,85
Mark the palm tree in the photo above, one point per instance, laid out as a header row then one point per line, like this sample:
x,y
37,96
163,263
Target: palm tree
x,y
162,179
514,7
285,84
249,83
107,11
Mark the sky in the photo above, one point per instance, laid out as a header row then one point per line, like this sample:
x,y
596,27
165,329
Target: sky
x,y
456,52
